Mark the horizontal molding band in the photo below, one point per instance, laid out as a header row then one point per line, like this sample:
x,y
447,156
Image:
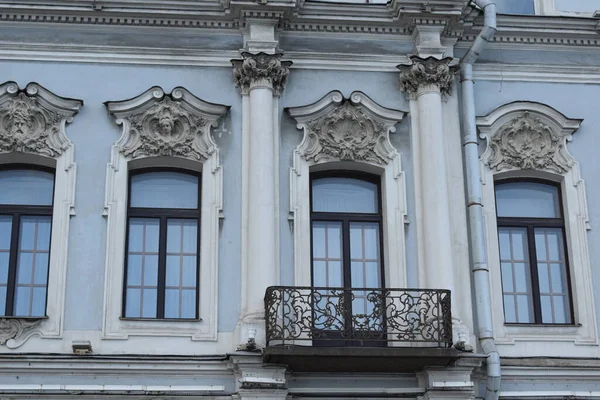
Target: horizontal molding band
x,y
109,389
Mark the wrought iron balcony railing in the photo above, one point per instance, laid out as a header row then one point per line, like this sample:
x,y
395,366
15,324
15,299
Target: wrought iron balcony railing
x,y
355,317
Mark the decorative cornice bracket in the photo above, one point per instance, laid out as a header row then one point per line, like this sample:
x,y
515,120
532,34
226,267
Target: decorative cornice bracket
x,y
158,124
346,129
527,135
33,120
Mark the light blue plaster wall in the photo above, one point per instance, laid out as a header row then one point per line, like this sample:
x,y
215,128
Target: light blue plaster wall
x,y
577,5
515,6
307,86
93,132
575,101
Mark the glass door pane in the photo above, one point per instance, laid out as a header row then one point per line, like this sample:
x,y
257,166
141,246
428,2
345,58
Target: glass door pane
x,y
365,272
328,305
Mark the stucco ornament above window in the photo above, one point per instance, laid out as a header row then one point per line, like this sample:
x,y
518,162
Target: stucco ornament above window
x,y
527,135
260,68
32,120
422,73
156,124
352,129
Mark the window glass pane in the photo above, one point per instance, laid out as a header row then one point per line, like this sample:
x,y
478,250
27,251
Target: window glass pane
x,y
164,190
5,232
149,303
365,261
524,309
182,239
26,186
2,300
188,304
516,275
327,254
32,266
552,273
527,199
142,268
344,195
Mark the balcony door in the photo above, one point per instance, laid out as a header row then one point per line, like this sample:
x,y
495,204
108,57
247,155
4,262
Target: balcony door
x,y
347,261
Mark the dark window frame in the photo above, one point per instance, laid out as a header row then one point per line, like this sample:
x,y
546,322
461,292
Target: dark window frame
x,y
530,224
16,211
163,215
346,219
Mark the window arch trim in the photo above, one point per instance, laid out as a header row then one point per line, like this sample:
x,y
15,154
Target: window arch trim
x,y
191,121
553,164
315,154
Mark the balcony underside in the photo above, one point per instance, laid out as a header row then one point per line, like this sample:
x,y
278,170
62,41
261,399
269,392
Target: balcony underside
x,y
363,359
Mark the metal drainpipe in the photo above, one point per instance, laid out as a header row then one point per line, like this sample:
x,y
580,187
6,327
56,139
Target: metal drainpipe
x,y
480,269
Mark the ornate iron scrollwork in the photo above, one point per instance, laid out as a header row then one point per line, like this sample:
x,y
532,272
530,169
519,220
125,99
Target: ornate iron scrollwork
x,y
358,315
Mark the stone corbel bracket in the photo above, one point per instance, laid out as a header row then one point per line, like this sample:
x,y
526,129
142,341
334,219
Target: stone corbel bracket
x,y
346,129
15,331
527,135
33,120
159,124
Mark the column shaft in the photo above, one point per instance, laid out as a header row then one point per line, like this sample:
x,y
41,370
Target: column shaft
x,y
437,231
262,266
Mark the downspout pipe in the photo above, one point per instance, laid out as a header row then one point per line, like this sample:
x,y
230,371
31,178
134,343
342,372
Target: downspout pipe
x,y
479,267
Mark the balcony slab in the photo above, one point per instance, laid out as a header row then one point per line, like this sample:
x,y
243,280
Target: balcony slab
x,y
367,359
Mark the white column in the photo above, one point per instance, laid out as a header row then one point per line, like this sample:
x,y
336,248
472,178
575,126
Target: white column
x,y
426,81
262,265
261,78
434,186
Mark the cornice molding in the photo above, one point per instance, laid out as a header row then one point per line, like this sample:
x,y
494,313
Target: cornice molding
x,y
156,124
531,30
33,119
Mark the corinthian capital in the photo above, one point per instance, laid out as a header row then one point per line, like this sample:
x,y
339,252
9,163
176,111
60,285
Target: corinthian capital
x,y
260,68
426,72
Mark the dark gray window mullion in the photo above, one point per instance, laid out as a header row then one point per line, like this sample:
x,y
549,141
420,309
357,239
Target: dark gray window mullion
x,y
12,265
162,268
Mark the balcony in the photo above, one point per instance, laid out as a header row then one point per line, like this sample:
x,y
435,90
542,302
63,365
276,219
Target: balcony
x,y
340,329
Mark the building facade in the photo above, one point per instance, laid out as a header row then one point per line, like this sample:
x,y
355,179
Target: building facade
x,y
299,199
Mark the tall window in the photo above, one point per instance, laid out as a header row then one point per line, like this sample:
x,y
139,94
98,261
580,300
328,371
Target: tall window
x,y
26,197
161,279
533,257
346,234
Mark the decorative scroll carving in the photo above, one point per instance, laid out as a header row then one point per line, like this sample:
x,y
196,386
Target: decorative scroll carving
x,y
533,137
422,72
339,129
260,67
17,329
347,134
33,120
527,143
177,125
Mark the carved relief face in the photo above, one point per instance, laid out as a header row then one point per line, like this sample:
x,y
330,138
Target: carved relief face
x,y
19,123
166,124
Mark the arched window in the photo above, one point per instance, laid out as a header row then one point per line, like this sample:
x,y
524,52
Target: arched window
x,y
346,232
25,225
533,257
161,273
